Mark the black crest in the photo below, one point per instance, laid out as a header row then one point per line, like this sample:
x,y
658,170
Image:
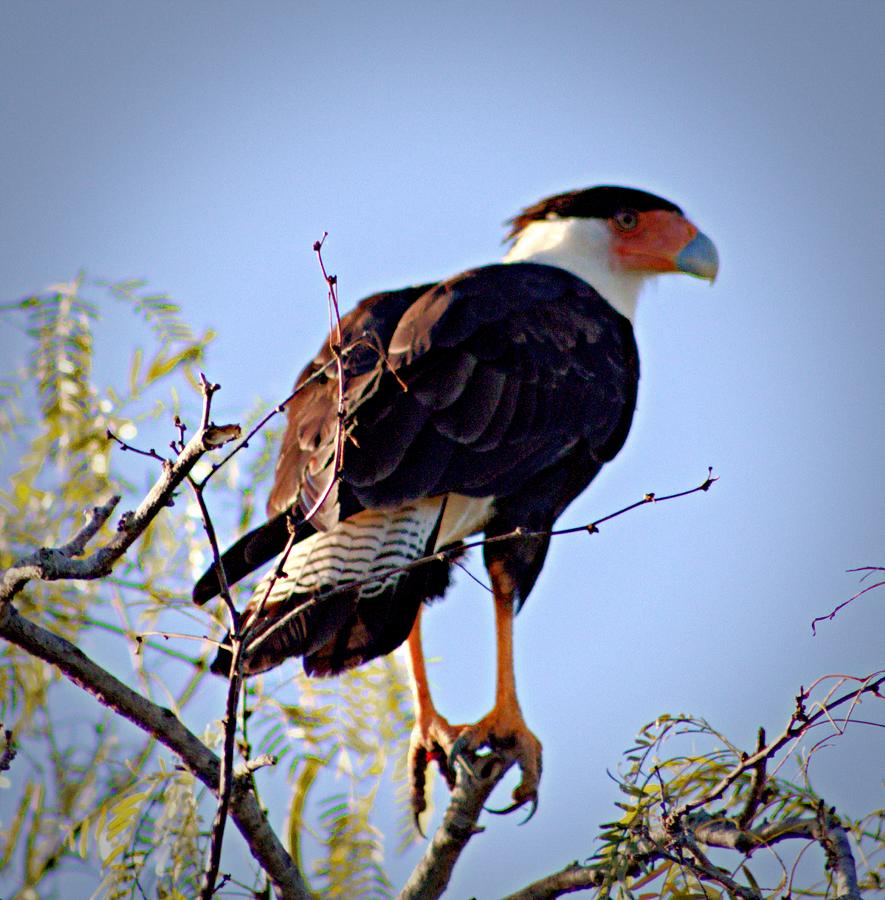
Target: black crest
x,y
590,203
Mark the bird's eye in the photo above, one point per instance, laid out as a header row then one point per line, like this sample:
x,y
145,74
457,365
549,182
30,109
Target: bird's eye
x,y
626,219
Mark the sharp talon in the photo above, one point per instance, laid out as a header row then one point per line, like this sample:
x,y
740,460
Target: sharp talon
x,y
513,807
455,752
416,818
507,809
532,811
457,755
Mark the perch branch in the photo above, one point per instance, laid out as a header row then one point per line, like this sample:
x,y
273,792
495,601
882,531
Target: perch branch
x,y
433,871
574,877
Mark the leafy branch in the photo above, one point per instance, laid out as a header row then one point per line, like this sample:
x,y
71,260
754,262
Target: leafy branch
x,y
681,805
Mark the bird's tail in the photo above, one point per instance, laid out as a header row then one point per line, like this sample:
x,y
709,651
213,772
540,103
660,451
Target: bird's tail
x,y
348,594
249,553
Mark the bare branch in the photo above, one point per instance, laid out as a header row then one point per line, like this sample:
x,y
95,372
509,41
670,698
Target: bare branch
x,y
574,877
279,408
757,787
161,724
800,722
253,765
225,774
339,352
151,454
825,828
870,587
701,828
516,534
238,640
54,564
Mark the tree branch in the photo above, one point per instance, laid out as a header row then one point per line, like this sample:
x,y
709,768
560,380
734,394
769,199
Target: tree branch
x,y
450,553
701,828
165,727
825,829
871,587
799,724
574,877
431,876
51,564
57,563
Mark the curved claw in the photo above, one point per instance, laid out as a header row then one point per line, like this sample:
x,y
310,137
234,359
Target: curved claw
x,y
507,809
532,811
428,744
458,754
516,805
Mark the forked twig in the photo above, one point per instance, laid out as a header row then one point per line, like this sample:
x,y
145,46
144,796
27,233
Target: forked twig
x,y
239,641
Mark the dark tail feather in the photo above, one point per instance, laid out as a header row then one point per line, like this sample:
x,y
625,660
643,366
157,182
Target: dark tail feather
x,y
247,554
300,635
221,664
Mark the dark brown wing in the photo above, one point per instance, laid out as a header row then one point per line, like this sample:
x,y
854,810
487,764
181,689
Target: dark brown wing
x,y
307,449
508,368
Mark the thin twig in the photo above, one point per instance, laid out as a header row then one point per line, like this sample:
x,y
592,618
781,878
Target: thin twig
x,y
225,774
574,877
54,564
60,563
445,555
870,587
239,641
152,454
798,725
757,785
163,725
279,408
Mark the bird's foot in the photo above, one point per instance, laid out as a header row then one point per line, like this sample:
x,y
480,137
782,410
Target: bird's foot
x,y
504,732
432,740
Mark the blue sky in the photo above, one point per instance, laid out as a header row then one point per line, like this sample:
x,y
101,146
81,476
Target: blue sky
x,y
205,146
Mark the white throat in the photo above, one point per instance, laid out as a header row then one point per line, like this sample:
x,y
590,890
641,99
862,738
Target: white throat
x,y
580,246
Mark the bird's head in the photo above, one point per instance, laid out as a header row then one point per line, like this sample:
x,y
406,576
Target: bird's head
x,y
615,238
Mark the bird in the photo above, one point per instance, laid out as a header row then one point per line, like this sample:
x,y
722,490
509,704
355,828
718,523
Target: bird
x,y
478,407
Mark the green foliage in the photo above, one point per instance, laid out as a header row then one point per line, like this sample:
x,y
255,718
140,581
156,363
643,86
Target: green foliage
x,y
350,726
152,830
57,462
680,760
86,788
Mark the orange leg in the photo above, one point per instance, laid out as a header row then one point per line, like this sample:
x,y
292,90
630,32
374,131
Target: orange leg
x,y
504,728
432,736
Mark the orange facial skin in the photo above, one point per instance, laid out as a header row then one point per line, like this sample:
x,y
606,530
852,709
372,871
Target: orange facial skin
x,y
653,242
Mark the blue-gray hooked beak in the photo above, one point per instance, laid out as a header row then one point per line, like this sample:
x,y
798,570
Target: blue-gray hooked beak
x,y
699,257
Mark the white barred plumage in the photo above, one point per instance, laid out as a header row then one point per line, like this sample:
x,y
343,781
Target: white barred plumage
x,y
374,542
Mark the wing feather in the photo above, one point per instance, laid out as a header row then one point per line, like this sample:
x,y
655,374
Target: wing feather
x,y
506,369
